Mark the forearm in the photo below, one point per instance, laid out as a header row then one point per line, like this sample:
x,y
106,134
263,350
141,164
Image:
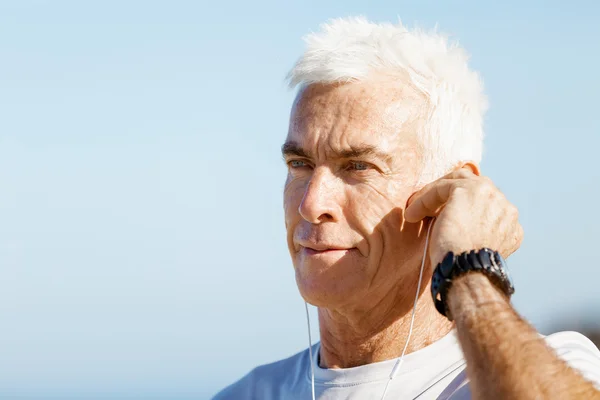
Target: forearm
x,y
506,358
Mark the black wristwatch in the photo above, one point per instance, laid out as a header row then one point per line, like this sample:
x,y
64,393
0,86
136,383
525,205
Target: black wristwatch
x,y
484,261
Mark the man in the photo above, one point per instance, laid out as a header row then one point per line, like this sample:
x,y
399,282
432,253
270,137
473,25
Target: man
x,y
382,152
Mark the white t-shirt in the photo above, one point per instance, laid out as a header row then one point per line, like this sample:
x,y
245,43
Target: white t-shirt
x,y
434,372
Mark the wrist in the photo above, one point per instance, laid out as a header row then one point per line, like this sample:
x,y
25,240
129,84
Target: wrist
x,y
474,294
486,264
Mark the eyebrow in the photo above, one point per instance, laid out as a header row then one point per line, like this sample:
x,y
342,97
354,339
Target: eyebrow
x,y
294,149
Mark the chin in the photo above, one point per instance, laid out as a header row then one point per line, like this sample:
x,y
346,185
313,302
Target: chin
x,y
330,285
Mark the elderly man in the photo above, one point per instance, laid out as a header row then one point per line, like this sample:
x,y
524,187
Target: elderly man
x,y
398,239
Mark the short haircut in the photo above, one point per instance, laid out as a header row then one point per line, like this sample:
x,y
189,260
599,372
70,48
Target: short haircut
x,y
352,49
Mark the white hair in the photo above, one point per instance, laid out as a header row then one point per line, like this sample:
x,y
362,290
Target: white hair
x,y
351,49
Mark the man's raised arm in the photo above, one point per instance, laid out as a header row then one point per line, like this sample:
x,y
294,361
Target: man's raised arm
x,y
506,358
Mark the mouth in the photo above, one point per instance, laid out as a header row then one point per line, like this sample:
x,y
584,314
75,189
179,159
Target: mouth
x,y
325,251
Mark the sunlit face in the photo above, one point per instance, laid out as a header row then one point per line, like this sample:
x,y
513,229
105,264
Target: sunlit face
x,y
353,161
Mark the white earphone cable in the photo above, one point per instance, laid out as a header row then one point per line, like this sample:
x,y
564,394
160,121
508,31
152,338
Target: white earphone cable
x,y
412,318
398,364
310,353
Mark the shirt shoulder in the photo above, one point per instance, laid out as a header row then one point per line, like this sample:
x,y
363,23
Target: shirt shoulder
x,y
268,381
572,347
579,352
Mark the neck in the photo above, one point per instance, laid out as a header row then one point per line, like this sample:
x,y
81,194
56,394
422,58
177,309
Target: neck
x,y
350,339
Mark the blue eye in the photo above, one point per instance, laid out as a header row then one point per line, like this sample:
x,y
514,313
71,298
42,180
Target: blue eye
x,y
297,164
359,166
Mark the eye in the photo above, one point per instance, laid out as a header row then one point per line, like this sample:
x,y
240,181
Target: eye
x,y
359,166
297,164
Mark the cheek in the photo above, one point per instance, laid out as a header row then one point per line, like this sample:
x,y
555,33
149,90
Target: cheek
x,y
378,214
371,205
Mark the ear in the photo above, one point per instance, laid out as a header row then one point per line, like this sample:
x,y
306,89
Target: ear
x,y
473,166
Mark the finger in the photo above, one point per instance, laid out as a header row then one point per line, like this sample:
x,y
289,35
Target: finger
x,y
466,172
429,201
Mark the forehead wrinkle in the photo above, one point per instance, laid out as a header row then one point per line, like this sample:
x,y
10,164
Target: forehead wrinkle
x,y
332,117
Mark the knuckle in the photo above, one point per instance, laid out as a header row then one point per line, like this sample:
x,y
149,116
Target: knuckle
x,y
520,232
489,185
517,238
514,211
458,190
484,188
487,179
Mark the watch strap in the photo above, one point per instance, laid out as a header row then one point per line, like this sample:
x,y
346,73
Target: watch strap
x,y
485,261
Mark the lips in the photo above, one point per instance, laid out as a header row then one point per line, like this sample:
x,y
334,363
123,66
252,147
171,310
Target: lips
x,y
320,250
316,240
321,247
330,251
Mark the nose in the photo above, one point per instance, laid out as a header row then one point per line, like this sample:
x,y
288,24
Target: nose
x,y
321,198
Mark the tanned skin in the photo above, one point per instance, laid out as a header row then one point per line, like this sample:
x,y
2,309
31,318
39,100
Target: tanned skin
x,y
506,358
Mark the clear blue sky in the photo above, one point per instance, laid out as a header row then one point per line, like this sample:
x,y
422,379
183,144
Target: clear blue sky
x,y
142,245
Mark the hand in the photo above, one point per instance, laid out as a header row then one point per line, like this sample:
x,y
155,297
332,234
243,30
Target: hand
x,y
471,214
